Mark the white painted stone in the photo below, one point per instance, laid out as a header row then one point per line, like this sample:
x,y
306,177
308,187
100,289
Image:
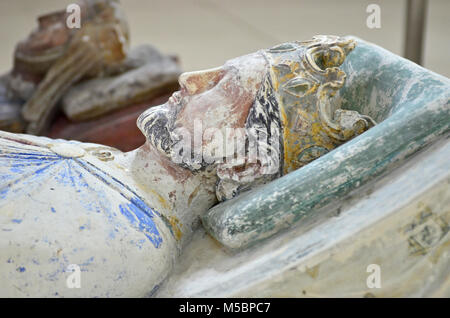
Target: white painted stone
x,y
67,150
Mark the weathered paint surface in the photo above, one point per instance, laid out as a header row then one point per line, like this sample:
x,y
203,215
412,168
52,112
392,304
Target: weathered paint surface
x,y
400,222
413,108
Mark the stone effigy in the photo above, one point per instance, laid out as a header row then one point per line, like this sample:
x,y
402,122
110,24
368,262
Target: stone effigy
x,y
377,204
264,134
88,72
149,73
411,103
123,218
97,48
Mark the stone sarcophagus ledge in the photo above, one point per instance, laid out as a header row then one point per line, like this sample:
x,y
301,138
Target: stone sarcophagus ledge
x,y
412,108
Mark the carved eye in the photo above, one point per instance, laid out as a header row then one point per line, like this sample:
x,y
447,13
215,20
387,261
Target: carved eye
x,y
285,47
282,68
298,86
311,153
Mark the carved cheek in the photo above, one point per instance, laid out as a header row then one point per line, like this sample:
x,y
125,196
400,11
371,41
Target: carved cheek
x,y
240,99
226,105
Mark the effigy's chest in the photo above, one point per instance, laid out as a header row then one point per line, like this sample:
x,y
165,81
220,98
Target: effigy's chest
x,y
59,206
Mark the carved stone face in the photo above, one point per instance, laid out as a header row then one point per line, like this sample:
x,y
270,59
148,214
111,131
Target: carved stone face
x,y
219,97
285,92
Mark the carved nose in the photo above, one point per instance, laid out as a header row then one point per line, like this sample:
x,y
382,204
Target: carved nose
x,y
200,81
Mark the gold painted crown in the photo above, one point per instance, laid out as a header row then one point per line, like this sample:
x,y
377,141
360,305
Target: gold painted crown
x,y
305,76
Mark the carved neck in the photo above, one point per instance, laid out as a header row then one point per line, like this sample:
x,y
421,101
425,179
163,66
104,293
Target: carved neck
x,y
171,190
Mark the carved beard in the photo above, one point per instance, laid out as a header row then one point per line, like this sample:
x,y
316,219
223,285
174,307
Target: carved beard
x,y
157,124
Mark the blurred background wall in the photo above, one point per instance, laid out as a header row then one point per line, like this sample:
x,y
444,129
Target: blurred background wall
x,y
205,33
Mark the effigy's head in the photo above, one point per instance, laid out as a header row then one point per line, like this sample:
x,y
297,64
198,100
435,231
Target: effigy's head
x,y
258,116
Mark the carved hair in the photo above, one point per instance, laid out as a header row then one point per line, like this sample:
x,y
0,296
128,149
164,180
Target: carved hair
x,y
263,128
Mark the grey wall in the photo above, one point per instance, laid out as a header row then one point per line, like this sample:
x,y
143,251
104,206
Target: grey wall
x,y
205,33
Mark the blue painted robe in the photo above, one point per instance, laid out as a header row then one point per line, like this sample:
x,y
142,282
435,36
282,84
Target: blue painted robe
x,y
63,216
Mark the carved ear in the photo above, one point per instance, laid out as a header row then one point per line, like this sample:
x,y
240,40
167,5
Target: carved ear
x,y
299,86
